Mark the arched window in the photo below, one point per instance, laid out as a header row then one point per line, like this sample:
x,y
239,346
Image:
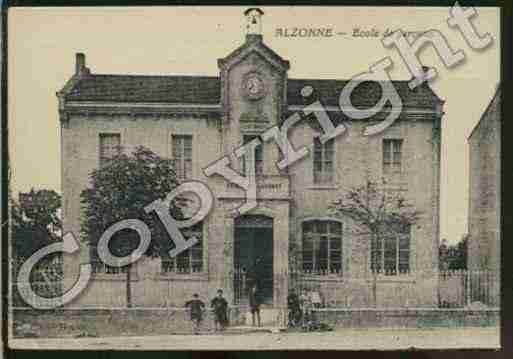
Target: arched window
x,y
322,246
390,252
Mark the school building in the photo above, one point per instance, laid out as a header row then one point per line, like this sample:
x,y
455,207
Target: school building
x,y
196,120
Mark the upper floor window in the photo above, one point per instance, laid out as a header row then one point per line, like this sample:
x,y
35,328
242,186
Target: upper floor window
x,y
322,246
259,155
190,260
182,156
390,252
110,146
323,162
392,155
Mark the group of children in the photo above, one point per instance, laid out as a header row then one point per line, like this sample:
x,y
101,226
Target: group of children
x,y
219,307
300,309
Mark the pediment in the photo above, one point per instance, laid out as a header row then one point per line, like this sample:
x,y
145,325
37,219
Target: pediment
x,y
253,44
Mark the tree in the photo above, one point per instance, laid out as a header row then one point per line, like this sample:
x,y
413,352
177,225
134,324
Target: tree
x,y
120,190
379,213
35,221
35,224
458,254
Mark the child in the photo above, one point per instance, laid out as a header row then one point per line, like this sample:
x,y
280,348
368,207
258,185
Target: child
x,y
196,308
220,307
305,302
254,304
294,310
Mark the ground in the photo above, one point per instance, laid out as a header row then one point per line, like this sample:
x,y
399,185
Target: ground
x,y
385,339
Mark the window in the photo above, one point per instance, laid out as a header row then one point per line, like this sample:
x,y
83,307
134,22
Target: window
x,y
182,155
390,253
190,260
392,155
110,146
323,162
322,246
99,267
259,156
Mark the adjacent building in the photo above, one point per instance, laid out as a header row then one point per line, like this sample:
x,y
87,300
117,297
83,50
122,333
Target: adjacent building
x,y
196,120
484,248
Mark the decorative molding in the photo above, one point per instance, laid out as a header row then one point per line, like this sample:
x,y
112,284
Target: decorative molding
x,y
157,105
140,112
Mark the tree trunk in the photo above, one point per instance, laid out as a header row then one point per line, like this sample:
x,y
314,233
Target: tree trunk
x,y
129,286
375,288
374,260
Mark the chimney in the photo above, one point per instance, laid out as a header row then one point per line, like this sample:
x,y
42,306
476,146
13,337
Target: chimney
x,y
80,65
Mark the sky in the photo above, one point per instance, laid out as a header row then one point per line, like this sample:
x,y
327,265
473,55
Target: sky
x,y
189,40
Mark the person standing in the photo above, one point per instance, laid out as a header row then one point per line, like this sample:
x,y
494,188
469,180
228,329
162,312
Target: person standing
x,y
294,309
254,304
305,302
220,307
196,308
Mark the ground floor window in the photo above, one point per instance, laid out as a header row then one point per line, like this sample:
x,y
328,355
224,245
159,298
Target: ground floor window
x,y
322,246
190,260
100,267
390,252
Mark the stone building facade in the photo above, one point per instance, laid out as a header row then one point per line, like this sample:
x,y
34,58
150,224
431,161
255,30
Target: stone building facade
x,y
198,119
484,200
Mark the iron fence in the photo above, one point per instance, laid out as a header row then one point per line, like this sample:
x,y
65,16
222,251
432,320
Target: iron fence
x,y
46,279
329,289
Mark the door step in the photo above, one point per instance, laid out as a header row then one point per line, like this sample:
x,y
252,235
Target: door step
x,y
269,317
250,329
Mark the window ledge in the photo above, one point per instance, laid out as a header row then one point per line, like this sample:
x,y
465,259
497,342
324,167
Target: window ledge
x,y
323,187
394,279
182,277
323,278
118,277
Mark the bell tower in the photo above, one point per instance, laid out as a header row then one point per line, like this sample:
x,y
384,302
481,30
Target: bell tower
x,y
253,90
253,21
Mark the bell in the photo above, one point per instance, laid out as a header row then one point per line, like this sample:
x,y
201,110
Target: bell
x,y
254,21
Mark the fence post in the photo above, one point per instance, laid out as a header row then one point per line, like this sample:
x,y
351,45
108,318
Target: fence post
x,y
466,275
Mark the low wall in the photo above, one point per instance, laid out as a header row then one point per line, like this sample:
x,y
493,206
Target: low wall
x,y
104,323
408,318
108,322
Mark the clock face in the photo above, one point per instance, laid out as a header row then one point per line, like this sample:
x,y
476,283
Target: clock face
x,y
253,86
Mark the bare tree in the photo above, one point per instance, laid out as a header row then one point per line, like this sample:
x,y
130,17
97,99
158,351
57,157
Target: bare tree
x,y
380,212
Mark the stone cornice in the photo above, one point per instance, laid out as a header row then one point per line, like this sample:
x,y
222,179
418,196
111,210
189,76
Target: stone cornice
x,y
134,105
139,109
212,110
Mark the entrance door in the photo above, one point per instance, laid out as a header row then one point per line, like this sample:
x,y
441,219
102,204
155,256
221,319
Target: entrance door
x,y
253,255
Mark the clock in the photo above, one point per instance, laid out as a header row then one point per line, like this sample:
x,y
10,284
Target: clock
x,y
253,86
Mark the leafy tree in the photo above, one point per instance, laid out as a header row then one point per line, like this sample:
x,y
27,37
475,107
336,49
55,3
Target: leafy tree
x,y
35,224
120,190
458,254
380,213
454,256
35,221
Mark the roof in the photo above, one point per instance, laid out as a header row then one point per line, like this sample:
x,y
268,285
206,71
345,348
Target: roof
x,y
494,101
207,90
137,88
